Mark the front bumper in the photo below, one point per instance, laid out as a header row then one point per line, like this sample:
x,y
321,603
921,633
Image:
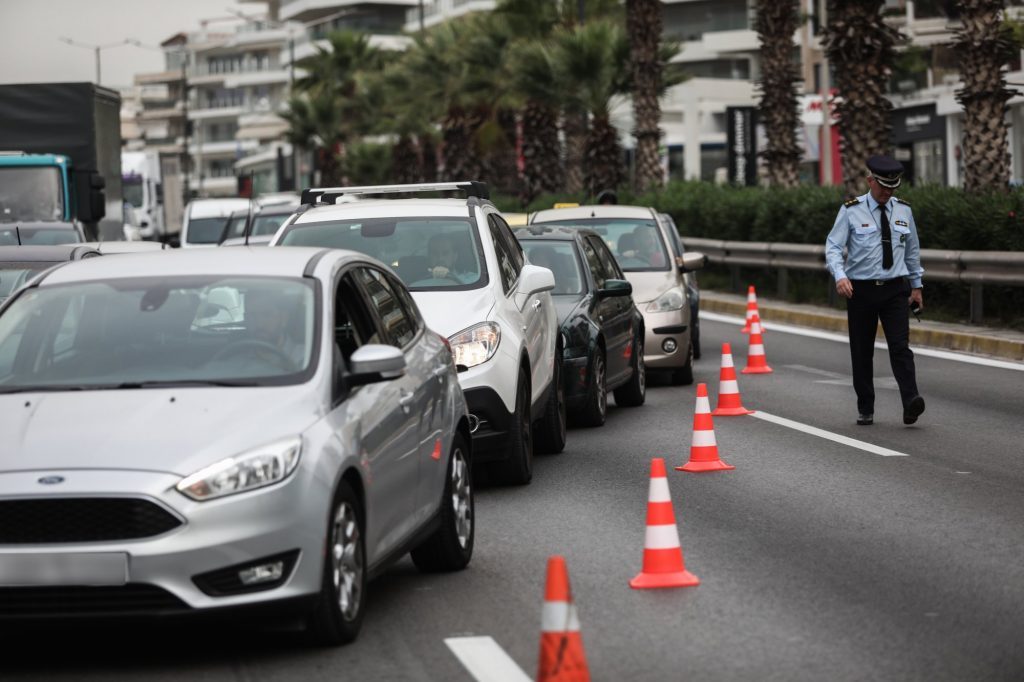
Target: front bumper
x,y
658,328
491,438
289,517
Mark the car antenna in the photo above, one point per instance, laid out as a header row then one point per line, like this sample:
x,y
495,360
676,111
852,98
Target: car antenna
x,y
248,217
17,233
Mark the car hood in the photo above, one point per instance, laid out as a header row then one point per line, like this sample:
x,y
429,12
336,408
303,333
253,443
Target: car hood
x,y
449,312
647,286
177,430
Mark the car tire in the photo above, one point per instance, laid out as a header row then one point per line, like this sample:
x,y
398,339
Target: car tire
x,y
595,408
634,393
550,435
518,468
450,547
338,614
684,375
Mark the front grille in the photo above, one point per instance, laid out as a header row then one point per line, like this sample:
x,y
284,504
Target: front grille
x,y
81,519
87,601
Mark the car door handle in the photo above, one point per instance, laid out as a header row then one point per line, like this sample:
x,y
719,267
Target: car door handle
x,y
536,304
439,372
405,399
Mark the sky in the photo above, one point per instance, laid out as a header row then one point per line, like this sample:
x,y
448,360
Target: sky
x,y
30,31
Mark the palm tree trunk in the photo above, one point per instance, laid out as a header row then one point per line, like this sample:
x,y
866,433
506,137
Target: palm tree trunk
x,y
985,47
603,157
428,158
776,22
574,126
405,161
643,22
542,166
861,47
460,162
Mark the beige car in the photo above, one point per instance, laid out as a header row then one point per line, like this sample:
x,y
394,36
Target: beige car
x,y
640,241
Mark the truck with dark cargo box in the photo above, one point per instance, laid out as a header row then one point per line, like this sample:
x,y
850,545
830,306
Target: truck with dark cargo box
x,y
60,156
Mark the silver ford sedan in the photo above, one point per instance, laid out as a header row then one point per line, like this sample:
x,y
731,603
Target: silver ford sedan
x,y
188,432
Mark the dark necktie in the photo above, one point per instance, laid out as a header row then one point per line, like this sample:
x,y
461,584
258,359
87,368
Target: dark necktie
x,y
886,240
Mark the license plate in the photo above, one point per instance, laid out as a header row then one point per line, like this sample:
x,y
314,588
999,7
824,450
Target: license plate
x,y
106,568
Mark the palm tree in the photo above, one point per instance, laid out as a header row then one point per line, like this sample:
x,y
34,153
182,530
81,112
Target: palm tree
x,y
861,48
643,21
776,22
535,79
985,46
592,62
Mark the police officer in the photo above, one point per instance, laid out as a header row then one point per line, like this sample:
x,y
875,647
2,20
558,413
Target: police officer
x,y
880,276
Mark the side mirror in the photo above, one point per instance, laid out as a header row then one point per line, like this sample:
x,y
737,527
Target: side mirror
x,y
694,260
535,279
615,287
374,362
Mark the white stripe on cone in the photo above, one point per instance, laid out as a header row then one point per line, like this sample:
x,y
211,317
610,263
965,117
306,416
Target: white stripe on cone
x,y
659,490
756,349
559,616
661,537
703,405
728,386
703,439
727,360
755,328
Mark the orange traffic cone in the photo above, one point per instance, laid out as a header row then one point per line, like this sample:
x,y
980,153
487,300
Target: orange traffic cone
x,y
757,362
561,646
703,447
663,557
751,309
729,403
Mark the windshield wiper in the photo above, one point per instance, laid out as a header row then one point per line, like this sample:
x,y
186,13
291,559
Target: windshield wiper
x,y
173,383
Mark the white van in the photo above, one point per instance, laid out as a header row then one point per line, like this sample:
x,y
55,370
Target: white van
x,y
205,220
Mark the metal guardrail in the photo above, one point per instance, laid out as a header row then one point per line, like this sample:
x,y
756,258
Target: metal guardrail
x,y
973,268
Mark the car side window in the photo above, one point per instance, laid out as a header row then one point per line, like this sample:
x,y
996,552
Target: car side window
x,y
596,268
609,266
353,323
397,327
412,312
515,248
506,262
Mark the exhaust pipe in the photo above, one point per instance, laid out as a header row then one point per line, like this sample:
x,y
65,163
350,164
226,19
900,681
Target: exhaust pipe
x,y
474,423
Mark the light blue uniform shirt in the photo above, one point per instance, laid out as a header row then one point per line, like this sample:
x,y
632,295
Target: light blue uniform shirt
x,y
858,228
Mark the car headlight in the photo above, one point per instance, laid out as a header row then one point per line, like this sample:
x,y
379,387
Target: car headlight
x,y
673,299
475,345
256,468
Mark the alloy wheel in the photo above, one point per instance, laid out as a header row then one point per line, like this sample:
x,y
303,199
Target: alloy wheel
x,y
462,497
347,561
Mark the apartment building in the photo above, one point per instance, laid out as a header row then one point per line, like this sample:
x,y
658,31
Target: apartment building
x,y
382,20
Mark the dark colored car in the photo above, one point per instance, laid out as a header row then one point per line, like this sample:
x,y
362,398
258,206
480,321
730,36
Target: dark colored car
x,y
602,331
692,288
263,224
19,264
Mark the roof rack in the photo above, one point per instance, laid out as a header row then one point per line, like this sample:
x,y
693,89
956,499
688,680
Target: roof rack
x,y
329,195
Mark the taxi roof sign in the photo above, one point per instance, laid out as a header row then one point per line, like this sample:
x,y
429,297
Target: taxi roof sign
x,y
566,204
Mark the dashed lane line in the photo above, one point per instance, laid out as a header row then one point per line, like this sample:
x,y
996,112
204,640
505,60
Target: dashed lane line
x,y
485,660
828,435
840,338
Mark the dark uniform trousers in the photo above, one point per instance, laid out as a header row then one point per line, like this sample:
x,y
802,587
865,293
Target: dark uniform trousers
x,y
886,301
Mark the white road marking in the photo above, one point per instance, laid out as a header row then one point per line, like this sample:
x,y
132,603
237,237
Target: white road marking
x,y
485,660
828,435
840,338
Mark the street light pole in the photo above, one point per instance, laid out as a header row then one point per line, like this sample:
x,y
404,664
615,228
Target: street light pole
x,y
96,49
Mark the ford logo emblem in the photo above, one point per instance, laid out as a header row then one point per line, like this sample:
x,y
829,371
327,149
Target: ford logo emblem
x,y
51,480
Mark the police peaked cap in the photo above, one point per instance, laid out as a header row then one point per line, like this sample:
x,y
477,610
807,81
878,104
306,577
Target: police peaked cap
x,y
886,170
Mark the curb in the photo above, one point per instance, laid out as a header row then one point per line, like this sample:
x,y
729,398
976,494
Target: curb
x,y
947,339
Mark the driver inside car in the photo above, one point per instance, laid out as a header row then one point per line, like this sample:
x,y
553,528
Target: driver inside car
x,y
266,318
646,246
442,255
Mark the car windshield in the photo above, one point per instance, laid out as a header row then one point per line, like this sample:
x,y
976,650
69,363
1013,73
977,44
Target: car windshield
x,y
13,275
429,254
268,224
560,258
635,242
205,230
30,193
235,227
26,235
135,333
131,186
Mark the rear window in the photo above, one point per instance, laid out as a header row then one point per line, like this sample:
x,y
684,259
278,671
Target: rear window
x,y
636,243
38,236
205,230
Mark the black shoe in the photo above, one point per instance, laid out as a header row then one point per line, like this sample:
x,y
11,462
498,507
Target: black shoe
x,y
913,410
865,419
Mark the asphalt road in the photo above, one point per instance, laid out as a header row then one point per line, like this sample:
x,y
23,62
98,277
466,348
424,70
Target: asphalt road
x,y
818,560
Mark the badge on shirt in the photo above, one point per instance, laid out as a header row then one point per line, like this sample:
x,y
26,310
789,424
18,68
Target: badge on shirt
x,y
902,223
865,225
903,239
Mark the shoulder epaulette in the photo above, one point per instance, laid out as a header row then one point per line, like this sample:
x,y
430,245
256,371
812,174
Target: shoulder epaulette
x,y
902,201
853,201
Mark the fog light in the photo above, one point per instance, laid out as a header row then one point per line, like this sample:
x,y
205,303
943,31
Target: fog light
x,y
262,573
669,345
